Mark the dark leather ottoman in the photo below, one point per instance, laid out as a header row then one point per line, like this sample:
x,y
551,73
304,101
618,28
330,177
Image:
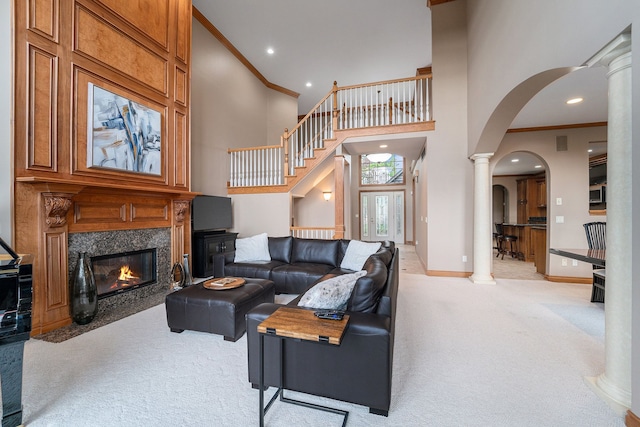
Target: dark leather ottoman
x,y
196,308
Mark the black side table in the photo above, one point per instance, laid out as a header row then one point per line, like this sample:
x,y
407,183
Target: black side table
x,y
295,323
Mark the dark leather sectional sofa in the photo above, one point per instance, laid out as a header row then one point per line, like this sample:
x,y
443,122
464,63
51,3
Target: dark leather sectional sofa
x,y
360,369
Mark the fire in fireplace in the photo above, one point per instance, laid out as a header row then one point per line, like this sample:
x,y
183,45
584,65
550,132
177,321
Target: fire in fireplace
x,y
116,273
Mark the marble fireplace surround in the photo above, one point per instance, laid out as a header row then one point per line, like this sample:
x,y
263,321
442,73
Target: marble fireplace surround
x,y
124,304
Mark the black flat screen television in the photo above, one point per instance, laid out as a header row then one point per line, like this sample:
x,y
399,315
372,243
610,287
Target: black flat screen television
x,y
210,213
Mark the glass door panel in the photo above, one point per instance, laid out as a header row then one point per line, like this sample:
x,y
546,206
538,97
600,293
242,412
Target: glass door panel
x,y
382,216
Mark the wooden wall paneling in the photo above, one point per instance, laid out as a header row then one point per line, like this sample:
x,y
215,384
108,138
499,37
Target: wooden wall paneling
x,y
149,16
99,210
42,111
150,210
181,230
183,33
27,240
56,302
43,18
59,48
117,51
180,86
178,245
53,209
88,212
181,169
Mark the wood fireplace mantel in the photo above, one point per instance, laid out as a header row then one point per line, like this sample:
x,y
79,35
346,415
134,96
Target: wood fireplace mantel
x,y
47,211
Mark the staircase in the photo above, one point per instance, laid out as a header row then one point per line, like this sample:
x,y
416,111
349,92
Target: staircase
x,y
390,107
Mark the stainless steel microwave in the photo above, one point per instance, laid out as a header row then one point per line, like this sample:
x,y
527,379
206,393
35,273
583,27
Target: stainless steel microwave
x,y
597,194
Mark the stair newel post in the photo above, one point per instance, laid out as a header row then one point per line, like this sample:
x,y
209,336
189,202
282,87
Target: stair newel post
x,y
390,110
284,141
335,105
339,199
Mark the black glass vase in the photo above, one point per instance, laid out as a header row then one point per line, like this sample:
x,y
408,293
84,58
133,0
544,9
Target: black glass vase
x,y
84,294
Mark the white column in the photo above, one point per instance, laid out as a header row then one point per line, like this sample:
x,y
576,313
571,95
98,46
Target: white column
x,y
482,234
615,383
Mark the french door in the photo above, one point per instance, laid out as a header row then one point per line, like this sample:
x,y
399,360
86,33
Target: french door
x,y
382,216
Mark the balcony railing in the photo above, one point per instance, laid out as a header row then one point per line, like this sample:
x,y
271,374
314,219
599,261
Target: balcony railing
x,y
325,233
389,103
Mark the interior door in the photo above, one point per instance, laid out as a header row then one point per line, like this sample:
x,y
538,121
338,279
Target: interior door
x,y
382,216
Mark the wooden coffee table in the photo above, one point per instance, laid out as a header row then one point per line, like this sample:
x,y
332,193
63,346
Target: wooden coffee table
x,y
297,323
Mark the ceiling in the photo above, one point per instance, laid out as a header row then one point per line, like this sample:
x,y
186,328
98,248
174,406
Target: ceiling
x,y
361,41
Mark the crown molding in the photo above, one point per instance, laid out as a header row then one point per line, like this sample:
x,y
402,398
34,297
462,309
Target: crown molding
x,y
231,48
557,127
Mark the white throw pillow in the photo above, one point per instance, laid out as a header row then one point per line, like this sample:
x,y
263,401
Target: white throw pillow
x,y
357,254
331,294
254,248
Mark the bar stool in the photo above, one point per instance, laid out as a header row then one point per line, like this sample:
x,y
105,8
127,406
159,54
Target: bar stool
x,y
505,239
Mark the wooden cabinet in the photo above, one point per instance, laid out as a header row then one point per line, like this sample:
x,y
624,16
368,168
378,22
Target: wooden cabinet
x,y
522,201
539,240
532,198
541,195
206,244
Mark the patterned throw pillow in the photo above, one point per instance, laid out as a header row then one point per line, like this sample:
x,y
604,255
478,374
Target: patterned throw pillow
x,y
332,293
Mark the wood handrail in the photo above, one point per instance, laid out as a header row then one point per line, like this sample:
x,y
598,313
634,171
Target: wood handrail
x,y
311,228
262,147
406,79
311,113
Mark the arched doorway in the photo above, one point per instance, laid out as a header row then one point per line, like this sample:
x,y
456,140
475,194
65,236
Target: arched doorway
x,y
520,204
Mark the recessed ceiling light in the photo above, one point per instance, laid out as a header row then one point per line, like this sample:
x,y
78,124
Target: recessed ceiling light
x,y
590,150
270,51
574,100
384,146
515,160
379,157
537,166
309,84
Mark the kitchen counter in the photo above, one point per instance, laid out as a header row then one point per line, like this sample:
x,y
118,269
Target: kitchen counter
x,y
527,243
526,225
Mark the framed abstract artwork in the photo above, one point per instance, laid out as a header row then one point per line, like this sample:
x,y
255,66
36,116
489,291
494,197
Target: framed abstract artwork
x,y
122,134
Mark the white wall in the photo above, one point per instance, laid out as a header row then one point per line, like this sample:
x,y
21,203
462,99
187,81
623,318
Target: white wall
x,y
635,232
449,173
273,216
230,108
312,210
6,128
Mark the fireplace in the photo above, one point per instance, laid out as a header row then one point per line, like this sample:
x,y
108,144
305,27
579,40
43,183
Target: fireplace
x,y
102,245
124,271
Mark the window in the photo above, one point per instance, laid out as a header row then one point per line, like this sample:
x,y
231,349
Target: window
x,y
381,169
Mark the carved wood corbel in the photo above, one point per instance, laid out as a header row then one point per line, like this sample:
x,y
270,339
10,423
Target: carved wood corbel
x,y
56,206
180,208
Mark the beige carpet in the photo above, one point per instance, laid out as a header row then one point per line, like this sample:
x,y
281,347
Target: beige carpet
x,y
511,354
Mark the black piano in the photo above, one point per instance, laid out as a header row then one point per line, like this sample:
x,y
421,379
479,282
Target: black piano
x,y
16,291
